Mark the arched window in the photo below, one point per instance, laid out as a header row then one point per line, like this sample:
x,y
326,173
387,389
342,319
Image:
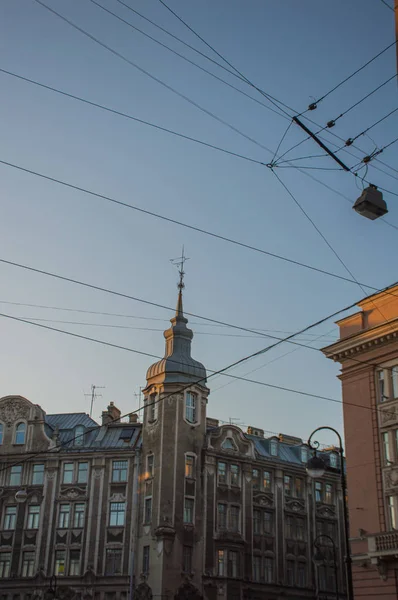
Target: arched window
x,y
1,433
20,432
79,435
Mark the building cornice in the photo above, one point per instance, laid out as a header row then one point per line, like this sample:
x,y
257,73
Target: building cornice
x,y
362,342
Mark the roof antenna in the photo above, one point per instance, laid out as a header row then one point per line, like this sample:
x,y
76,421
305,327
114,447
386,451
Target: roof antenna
x,y
94,395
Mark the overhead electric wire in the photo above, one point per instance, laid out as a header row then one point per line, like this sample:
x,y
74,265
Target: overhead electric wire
x,y
262,92
388,6
131,117
170,88
211,320
183,57
330,246
176,222
354,73
374,125
153,77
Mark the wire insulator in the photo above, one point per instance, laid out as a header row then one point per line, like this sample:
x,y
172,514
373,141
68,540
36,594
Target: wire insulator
x,y
366,159
312,106
349,142
331,124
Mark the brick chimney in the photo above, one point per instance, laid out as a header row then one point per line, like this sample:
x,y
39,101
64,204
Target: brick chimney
x,y
111,414
133,418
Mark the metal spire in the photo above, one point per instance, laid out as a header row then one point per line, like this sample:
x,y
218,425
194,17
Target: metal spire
x,y
179,263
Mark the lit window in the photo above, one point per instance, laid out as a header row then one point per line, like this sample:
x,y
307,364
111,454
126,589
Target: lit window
x,y
256,522
298,487
148,510
221,563
304,454
10,517
287,483
20,432
5,564
1,432
256,479
268,569
59,563
153,408
119,471
273,448
82,472
113,561
38,475
116,514
190,407
222,472
318,491
16,475
233,563
267,522
64,516
145,559
188,510
68,473
333,461
189,466
74,562
33,516
386,447
235,479
78,515
78,439
381,386
28,564
256,568
394,381
187,559
234,518
329,493
150,463
392,511
267,480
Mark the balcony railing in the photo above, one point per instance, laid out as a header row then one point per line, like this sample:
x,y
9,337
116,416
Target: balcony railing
x,y
383,544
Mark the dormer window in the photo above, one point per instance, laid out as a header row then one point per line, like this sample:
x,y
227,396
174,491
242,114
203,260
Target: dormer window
x,y
273,448
190,407
20,432
229,444
333,461
79,435
304,454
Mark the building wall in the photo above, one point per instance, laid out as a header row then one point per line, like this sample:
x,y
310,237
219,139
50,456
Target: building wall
x,y
368,344
49,536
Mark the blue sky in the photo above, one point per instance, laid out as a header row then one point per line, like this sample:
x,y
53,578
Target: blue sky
x,y
294,51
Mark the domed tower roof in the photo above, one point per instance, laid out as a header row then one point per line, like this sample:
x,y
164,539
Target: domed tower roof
x,y
177,366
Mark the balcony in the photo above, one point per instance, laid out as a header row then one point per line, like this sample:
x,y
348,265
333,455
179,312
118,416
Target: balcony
x,y
383,544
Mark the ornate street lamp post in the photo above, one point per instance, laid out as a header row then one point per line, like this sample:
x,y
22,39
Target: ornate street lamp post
x,y
319,558
316,468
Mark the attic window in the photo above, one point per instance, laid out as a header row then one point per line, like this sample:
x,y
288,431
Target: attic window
x,y
229,444
79,435
126,434
274,448
333,461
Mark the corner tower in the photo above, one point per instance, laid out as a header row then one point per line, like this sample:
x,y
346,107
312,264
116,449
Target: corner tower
x,y
174,428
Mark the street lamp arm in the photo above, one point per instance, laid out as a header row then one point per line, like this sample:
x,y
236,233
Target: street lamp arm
x,y
315,445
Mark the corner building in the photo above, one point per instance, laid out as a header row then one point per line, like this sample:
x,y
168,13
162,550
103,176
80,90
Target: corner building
x,y
368,353
174,507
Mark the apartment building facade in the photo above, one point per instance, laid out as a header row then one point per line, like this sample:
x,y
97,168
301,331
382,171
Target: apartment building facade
x,y
368,353
175,507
